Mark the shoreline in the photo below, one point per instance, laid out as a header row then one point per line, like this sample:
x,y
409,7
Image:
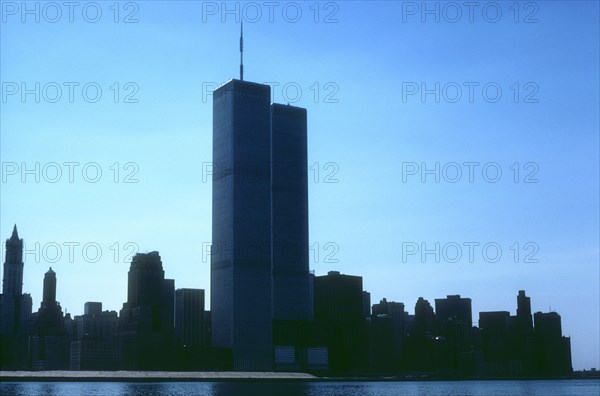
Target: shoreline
x,y
233,376
149,376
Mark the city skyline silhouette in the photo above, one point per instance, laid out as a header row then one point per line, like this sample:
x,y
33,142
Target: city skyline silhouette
x,y
164,328
371,214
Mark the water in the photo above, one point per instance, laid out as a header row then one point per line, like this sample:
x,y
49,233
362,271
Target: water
x,y
442,388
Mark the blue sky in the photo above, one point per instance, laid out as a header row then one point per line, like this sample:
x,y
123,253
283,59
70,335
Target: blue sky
x,y
369,140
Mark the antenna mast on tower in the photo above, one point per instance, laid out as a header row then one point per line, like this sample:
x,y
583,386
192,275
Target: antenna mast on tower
x,y
242,50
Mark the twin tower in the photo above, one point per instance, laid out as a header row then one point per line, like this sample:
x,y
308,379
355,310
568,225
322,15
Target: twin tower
x,y
259,262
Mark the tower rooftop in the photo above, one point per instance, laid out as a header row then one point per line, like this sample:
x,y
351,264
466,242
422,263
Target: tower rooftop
x,y
15,234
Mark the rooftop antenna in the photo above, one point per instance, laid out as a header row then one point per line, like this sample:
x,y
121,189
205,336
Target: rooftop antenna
x,y
242,50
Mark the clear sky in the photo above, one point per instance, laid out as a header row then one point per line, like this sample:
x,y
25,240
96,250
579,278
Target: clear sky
x,y
398,94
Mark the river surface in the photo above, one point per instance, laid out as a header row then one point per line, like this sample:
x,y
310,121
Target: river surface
x,y
442,388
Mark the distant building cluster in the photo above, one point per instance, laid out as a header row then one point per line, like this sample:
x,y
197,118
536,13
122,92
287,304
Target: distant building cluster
x,y
163,328
157,328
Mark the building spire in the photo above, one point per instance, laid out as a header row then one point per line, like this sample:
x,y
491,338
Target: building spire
x,y
15,234
242,50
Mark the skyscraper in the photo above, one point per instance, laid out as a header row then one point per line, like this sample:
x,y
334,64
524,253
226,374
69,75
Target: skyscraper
x,y
259,261
12,285
189,317
146,333
93,345
12,282
289,213
15,307
49,341
524,320
49,296
259,266
553,351
241,266
495,334
395,312
424,318
524,333
420,345
339,303
456,329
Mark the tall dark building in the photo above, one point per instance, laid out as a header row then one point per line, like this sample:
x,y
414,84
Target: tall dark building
x,y
15,307
12,286
49,296
49,341
425,321
339,303
496,341
396,314
552,350
524,313
144,286
189,317
289,213
146,333
93,345
259,266
524,340
455,323
12,282
148,288
289,217
241,264
419,349
395,311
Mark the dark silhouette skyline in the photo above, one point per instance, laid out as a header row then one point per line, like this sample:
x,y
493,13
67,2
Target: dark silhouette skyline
x,y
163,328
